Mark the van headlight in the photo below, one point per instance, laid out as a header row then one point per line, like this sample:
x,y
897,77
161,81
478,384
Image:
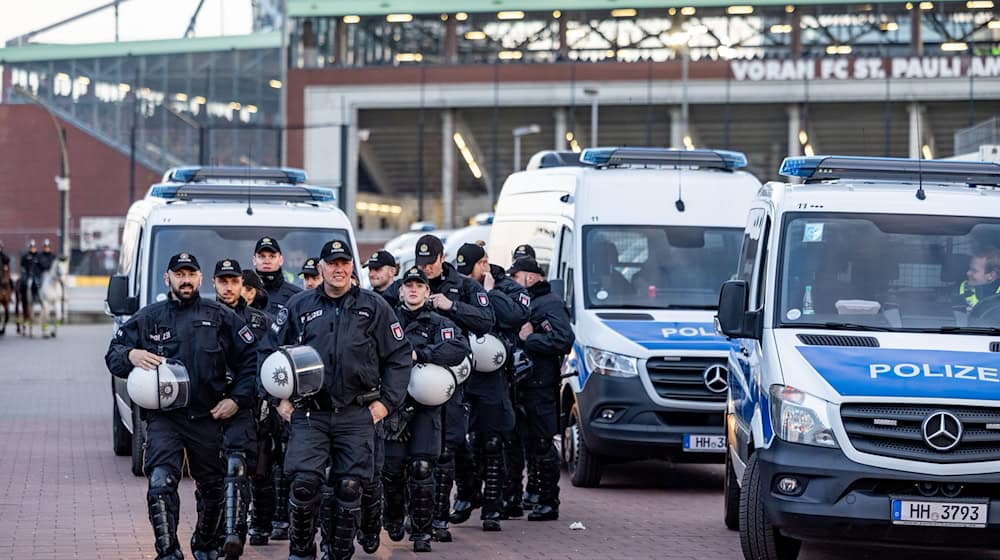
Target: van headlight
x,y
609,363
799,417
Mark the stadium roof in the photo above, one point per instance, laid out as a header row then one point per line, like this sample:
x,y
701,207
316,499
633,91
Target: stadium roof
x,y
305,8
44,52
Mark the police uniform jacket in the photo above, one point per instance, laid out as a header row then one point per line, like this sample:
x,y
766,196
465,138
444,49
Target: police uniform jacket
x,y
471,309
360,340
391,293
434,338
552,338
279,291
204,335
29,265
511,303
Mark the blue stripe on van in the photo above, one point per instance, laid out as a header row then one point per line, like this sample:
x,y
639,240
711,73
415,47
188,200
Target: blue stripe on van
x,y
654,335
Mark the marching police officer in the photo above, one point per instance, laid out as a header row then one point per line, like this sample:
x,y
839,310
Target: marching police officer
x,y
310,275
547,338
367,367
464,302
382,270
491,414
413,431
239,432
209,341
268,260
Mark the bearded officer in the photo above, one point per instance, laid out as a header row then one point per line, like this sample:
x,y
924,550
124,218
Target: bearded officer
x,y
382,270
212,343
367,367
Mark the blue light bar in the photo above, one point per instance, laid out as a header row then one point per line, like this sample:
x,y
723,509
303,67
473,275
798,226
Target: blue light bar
x,y
202,191
705,159
196,174
829,168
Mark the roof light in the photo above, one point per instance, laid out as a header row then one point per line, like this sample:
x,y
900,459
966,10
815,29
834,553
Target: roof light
x,y
514,14
510,55
194,173
954,46
250,109
819,168
124,88
808,150
889,26
781,28
909,6
927,5
979,4
556,14
789,9
352,19
623,12
62,76
399,18
672,11
181,96
739,10
409,57
276,84
839,49
199,100
706,159
688,11
461,16
475,35
235,105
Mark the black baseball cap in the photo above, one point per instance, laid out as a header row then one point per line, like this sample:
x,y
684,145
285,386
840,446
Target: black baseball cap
x,y
336,249
468,255
415,274
267,243
252,280
380,259
309,268
522,251
183,260
526,264
227,267
428,249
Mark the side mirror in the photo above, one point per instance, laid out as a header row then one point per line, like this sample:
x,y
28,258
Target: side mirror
x,y
119,302
734,320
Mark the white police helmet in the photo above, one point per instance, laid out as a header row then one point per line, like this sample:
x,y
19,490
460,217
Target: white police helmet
x,y
431,385
462,370
292,372
488,353
168,387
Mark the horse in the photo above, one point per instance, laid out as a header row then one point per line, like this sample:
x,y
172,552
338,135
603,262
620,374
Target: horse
x,y
6,295
25,291
50,296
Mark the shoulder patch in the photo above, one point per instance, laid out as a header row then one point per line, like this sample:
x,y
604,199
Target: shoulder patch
x,y
282,317
448,334
483,299
524,299
547,325
364,313
120,333
397,331
247,335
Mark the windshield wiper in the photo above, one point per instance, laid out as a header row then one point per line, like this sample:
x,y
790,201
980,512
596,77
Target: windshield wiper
x,y
964,330
836,326
705,307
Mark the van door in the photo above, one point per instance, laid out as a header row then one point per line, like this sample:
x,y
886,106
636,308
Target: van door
x,y
565,270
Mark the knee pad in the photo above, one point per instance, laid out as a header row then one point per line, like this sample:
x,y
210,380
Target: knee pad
x,y
305,487
539,446
162,479
236,465
421,469
349,489
493,445
446,457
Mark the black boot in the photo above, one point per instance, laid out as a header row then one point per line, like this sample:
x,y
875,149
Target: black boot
x,y
237,497
347,519
421,488
513,486
327,520
530,499
164,507
395,504
444,475
205,539
467,485
279,526
547,508
493,477
371,515
262,511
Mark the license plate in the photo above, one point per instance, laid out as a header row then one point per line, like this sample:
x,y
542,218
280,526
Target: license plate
x,y
702,443
939,514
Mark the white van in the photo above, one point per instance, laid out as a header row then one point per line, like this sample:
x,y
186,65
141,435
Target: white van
x,y
864,395
212,213
638,241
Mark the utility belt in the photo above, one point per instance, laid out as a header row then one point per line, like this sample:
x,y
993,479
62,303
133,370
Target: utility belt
x,y
322,402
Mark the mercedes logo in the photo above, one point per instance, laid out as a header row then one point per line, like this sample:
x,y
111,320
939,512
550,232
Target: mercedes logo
x,y
716,378
942,430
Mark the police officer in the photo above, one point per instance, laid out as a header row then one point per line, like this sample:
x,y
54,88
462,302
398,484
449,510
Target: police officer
x,y
382,271
239,432
514,502
468,306
413,432
253,291
268,260
4,259
491,414
367,367
521,251
982,279
547,338
310,275
46,258
211,342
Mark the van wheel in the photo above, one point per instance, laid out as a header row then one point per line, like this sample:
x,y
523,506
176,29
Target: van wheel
x,y
584,466
731,496
760,540
138,442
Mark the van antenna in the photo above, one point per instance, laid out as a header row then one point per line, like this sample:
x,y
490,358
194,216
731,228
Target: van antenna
x,y
249,186
679,203
921,195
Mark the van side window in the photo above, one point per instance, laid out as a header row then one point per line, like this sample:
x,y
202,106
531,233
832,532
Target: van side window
x,y
130,244
540,235
748,254
760,272
565,271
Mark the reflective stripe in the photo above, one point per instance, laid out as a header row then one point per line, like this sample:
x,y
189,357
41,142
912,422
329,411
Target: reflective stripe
x,y
969,293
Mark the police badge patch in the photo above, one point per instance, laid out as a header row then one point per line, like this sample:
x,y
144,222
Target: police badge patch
x,y
247,335
547,325
525,299
282,317
397,331
448,334
483,299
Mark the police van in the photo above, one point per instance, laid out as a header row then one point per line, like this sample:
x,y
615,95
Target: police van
x,y
213,213
864,387
637,241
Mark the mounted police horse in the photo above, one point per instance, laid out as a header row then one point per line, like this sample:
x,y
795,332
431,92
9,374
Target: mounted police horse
x,y
6,296
47,292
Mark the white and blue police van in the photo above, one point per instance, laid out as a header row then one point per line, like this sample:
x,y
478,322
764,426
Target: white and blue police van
x,y
864,387
213,213
637,241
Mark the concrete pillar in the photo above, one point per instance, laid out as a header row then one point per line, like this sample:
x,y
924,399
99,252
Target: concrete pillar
x,y
794,126
916,112
451,41
563,42
449,172
677,128
795,20
340,43
559,118
916,37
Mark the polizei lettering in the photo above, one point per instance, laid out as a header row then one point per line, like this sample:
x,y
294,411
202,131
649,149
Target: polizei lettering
x,y
950,371
687,331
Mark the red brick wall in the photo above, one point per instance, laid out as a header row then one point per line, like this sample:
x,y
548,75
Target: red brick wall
x,y
29,162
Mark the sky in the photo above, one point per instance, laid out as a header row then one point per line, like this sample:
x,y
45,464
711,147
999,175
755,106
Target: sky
x,y
138,19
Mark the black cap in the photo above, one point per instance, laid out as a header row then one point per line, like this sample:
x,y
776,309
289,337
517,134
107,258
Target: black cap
x,y
468,255
227,267
309,268
428,249
183,260
526,264
380,259
415,274
336,249
252,280
268,243
522,251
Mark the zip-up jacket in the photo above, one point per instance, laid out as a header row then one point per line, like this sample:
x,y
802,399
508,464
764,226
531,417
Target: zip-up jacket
x,y
471,309
552,338
279,290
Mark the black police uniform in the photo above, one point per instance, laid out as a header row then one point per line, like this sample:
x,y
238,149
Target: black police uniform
x,y
364,352
278,289
472,313
538,395
391,293
31,275
413,432
208,339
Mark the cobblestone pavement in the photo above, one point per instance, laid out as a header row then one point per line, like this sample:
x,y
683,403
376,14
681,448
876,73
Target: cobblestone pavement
x,y
64,495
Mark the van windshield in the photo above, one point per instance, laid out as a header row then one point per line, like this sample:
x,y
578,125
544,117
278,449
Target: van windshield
x,y
657,267
890,272
210,244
